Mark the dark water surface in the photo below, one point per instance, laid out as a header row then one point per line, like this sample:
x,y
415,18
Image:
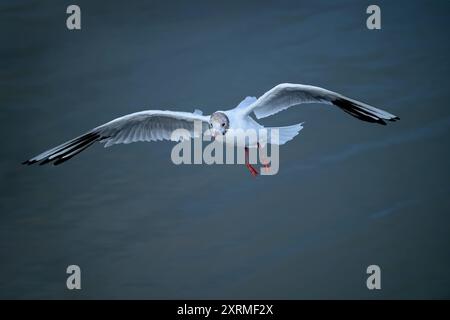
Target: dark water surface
x,y
348,194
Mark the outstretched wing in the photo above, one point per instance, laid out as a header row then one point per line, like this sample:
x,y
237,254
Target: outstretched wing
x,y
286,95
151,125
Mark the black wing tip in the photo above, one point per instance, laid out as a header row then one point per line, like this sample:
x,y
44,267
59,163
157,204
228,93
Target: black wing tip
x,y
361,114
44,161
39,162
394,119
57,162
73,148
27,163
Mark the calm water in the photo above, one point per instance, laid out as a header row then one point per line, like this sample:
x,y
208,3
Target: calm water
x,y
348,194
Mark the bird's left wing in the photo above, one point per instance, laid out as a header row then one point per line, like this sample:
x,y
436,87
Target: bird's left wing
x,y
286,95
150,125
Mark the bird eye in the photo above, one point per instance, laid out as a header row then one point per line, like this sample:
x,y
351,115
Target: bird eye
x,y
210,125
223,124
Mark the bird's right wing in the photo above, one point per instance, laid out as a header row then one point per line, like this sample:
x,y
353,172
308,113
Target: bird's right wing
x,y
151,125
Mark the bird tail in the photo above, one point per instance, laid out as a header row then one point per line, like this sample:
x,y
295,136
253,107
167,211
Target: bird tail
x,y
65,151
285,134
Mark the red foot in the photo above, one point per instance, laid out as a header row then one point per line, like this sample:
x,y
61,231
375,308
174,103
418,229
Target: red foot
x,y
266,166
264,162
252,170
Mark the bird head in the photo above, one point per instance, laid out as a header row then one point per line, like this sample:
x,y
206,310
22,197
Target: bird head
x,y
218,124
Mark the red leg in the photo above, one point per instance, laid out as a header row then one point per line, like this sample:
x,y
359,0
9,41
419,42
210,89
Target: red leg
x,y
264,161
250,168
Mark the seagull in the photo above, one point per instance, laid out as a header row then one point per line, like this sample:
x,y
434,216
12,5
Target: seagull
x,y
154,125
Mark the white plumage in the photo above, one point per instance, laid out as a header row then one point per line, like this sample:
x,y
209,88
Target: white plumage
x,y
154,125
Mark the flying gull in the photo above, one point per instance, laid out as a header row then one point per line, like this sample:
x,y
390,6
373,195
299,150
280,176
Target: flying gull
x,y
154,125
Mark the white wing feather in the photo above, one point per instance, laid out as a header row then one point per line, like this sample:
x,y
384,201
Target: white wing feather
x,y
151,125
286,95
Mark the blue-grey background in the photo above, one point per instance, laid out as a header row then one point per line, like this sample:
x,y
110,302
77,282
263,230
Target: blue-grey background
x,y
348,194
